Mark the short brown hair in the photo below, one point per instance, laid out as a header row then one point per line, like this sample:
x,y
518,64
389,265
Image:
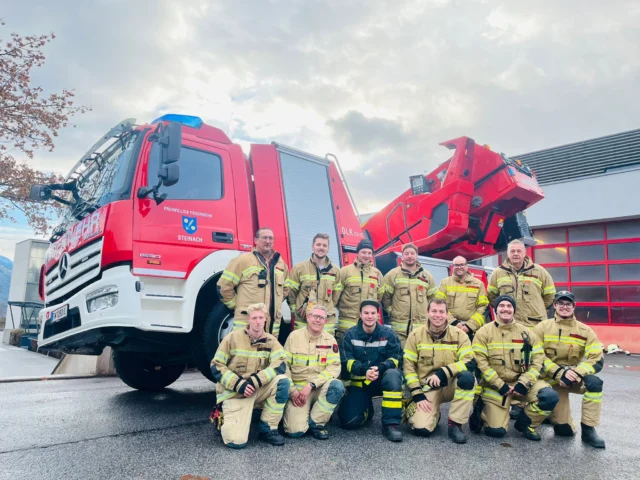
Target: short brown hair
x,y
262,229
437,301
324,236
409,245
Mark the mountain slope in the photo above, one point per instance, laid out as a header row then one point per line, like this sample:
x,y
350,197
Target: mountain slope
x,y
6,266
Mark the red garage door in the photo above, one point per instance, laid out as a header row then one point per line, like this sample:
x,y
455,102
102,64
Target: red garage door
x,y
600,264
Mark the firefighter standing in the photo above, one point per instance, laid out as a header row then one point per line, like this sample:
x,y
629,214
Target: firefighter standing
x,y
370,356
249,368
466,297
528,283
259,276
408,289
566,344
315,282
360,281
438,367
510,358
314,367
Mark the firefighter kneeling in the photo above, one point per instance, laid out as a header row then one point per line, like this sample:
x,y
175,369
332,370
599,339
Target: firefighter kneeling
x,y
314,366
438,367
510,358
249,369
370,358
574,356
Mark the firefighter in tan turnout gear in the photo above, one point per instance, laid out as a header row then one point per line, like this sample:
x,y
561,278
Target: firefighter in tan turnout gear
x,y
259,276
315,282
573,357
408,289
466,297
314,367
438,367
360,281
528,283
249,369
510,358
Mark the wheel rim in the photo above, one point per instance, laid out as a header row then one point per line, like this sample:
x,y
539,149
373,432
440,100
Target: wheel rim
x,y
226,327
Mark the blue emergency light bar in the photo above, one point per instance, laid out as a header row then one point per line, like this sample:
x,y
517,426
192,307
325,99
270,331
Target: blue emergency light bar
x,y
186,120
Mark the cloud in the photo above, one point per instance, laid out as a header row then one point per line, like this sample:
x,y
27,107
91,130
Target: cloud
x,y
9,236
379,90
356,132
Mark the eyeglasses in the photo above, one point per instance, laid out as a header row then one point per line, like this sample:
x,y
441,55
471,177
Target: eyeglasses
x,y
313,315
459,265
564,305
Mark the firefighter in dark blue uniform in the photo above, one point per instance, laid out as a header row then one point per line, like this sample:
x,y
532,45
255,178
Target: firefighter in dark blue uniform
x,y
371,355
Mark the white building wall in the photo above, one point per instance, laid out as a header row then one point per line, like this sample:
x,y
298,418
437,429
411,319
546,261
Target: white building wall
x,y
613,196
18,286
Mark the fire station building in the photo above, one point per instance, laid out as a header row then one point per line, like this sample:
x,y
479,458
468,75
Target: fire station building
x,y
587,230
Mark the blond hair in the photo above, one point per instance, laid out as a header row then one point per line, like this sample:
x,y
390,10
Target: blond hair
x,y
257,307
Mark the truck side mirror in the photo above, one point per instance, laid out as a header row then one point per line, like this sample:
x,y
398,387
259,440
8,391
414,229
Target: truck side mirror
x,y
169,137
169,174
40,193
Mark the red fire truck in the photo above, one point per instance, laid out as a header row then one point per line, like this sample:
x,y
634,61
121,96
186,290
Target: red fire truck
x,y
155,212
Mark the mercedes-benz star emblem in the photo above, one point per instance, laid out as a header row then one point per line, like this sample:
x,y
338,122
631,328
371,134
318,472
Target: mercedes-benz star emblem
x,y
64,265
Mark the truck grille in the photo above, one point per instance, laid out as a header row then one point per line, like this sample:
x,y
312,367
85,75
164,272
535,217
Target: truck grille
x,y
76,269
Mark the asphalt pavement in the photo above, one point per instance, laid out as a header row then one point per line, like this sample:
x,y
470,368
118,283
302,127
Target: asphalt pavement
x,y
100,429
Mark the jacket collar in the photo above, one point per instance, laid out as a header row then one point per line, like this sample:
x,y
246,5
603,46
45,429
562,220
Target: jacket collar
x,y
528,263
328,265
565,321
262,339
502,326
309,336
417,272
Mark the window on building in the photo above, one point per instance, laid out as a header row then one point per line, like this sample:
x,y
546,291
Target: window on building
x,y
601,268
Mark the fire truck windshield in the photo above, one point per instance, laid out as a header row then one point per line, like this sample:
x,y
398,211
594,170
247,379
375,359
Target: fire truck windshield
x,y
105,177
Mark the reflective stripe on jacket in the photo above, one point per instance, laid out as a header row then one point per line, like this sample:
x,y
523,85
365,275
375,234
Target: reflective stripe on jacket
x,y
424,355
249,279
498,350
311,359
406,297
532,287
566,344
359,282
466,300
239,358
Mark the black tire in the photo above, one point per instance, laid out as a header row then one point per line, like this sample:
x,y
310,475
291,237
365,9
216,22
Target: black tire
x,y
139,372
205,342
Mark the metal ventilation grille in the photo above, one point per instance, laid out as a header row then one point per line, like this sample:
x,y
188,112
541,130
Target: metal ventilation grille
x,y
584,159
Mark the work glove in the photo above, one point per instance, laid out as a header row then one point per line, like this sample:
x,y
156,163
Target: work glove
x,y
504,389
520,389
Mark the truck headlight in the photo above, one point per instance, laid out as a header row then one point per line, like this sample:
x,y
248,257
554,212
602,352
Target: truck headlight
x,y
102,298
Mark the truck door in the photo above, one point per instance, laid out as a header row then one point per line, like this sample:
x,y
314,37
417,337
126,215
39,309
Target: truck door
x,y
197,217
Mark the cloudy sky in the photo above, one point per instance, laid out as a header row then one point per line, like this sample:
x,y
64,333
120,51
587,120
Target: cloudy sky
x,y
379,83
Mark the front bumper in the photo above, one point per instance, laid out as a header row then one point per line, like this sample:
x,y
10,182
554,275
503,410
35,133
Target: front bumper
x,y
84,332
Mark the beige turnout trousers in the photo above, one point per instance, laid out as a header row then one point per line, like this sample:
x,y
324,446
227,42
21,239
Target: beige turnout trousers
x,y
461,406
317,411
496,413
591,406
238,410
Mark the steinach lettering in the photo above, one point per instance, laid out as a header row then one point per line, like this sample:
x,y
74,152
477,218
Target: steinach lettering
x,y
185,238
187,212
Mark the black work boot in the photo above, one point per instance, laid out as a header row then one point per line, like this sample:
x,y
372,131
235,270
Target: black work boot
x,y
590,437
319,433
272,437
563,430
392,433
523,425
515,412
455,433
